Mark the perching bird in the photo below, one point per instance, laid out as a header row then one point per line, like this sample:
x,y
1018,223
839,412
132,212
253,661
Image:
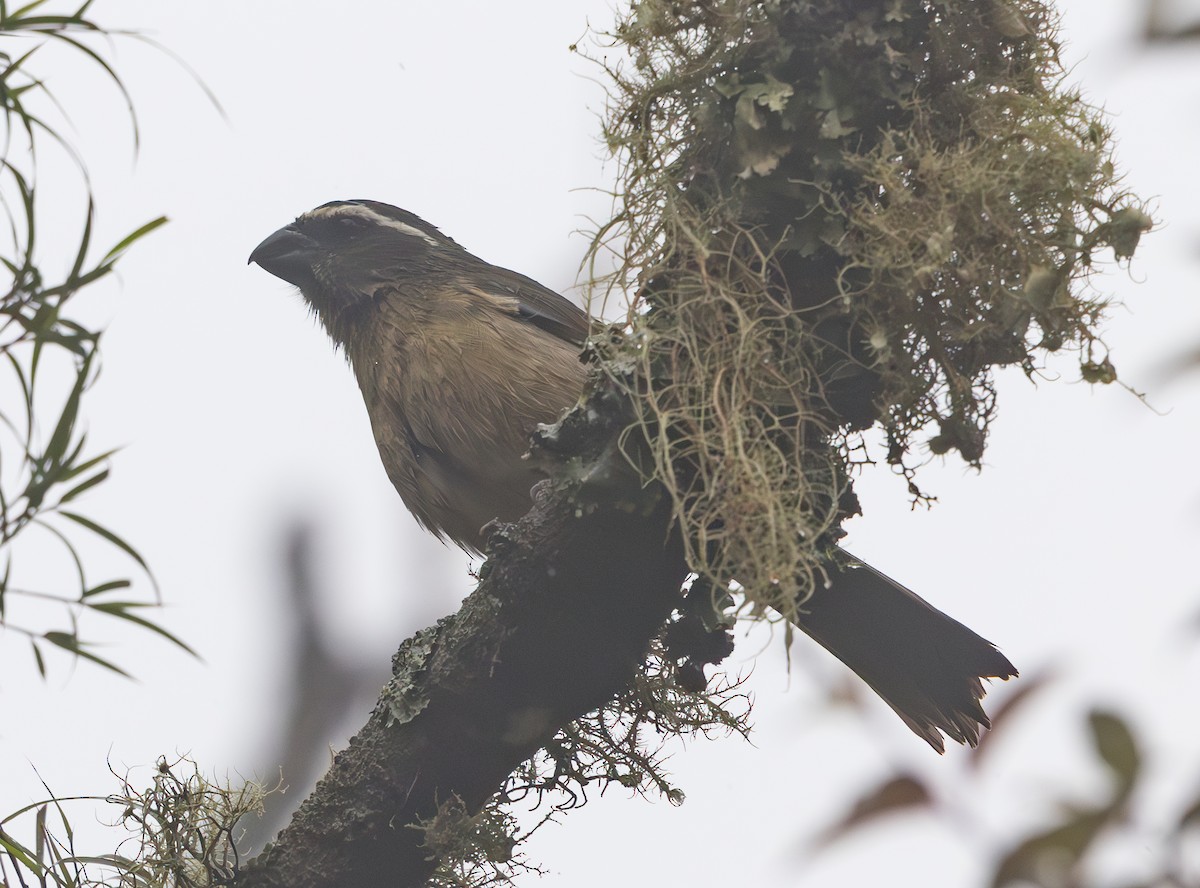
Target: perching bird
x,y
458,360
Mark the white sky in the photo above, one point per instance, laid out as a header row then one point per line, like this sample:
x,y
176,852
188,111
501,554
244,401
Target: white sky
x,y
1073,547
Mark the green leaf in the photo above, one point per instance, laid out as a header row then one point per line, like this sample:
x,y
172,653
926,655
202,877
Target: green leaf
x,y
84,466
23,855
12,67
107,535
107,68
1115,744
106,587
84,242
70,547
26,390
39,841
21,13
69,642
80,488
1051,854
900,793
59,441
123,610
131,238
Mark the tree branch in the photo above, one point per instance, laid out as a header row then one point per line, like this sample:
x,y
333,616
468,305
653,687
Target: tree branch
x,y
569,600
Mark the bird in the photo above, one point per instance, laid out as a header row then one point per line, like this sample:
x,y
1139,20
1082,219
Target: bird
x,y
458,360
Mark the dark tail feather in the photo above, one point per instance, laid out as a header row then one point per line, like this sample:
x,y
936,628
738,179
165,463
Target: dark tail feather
x,y
924,664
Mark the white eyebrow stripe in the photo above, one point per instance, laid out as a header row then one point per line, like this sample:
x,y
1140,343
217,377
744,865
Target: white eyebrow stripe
x,y
379,219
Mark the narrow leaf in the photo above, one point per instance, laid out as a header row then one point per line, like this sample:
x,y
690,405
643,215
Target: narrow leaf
x,y
123,610
69,642
900,793
132,238
1115,744
84,466
106,587
20,853
108,535
80,488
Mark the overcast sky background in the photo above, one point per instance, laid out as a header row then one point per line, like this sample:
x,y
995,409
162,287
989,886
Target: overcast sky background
x,y
1075,547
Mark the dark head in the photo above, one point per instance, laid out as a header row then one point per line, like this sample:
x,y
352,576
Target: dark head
x,y
341,252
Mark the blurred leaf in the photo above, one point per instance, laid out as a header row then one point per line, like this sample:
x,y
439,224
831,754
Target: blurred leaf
x,y
55,453
108,535
1162,25
1003,714
80,468
84,242
1115,744
69,642
1045,858
38,659
106,587
124,610
69,546
1190,817
900,793
91,482
130,239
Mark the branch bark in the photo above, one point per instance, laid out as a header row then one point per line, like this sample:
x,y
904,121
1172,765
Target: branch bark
x,y
569,600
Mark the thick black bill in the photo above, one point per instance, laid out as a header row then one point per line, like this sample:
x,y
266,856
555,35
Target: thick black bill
x,y
288,254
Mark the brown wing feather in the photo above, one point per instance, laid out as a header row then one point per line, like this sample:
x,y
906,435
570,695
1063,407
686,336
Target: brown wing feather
x,y
536,304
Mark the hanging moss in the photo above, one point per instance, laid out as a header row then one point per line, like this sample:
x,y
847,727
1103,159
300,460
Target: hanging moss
x,y
835,214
